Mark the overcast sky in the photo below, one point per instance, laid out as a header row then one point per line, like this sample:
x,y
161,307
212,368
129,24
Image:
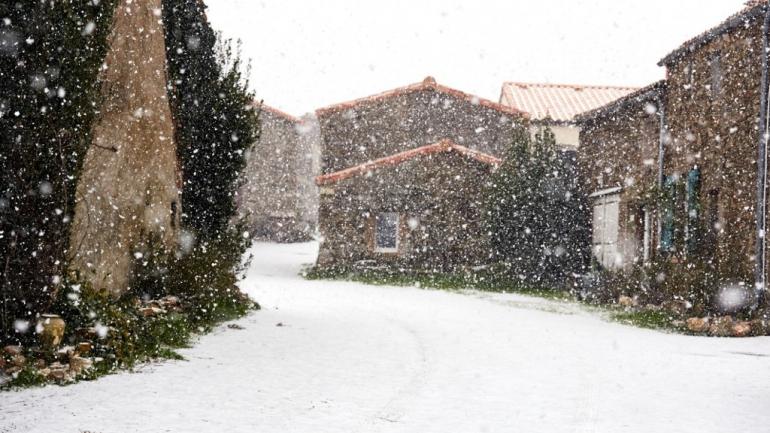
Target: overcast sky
x,y
309,54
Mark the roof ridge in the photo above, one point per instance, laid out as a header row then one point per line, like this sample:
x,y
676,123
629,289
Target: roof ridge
x,y
443,145
287,116
611,106
427,83
572,86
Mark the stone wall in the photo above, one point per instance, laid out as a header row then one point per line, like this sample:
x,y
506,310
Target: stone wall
x,y
127,191
278,197
439,198
411,117
715,128
619,149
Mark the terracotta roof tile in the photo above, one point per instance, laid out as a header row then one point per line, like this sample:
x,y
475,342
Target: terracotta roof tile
x,y
429,83
558,102
645,94
444,145
277,112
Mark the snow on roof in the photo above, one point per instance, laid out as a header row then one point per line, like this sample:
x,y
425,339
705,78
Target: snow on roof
x,y
445,145
559,102
751,11
429,83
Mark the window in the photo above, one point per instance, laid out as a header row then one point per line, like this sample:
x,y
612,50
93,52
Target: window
x,y
668,227
716,74
386,232
173,214
606,216
693,232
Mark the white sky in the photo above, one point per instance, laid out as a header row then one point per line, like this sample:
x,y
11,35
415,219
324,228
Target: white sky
x,y
309,54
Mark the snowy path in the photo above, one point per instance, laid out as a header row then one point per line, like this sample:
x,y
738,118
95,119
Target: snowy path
x,y
356,358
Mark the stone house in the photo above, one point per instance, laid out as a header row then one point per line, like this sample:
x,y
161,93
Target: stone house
x,y
278,197
128,190
712,115
711,161
556,105
619,161
420,209
420,156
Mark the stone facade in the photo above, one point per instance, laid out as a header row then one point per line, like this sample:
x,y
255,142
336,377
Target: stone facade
x,y
278,197
128,190
712,114
435,196
707,131
618,159
425,113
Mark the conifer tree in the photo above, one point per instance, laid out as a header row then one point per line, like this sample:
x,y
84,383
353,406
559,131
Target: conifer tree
x,y
213,113
537,216
50,54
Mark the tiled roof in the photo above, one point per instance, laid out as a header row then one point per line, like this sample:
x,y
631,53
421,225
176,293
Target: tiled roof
x,y
753,10
558,102
275,111
444,145
647,93
429,83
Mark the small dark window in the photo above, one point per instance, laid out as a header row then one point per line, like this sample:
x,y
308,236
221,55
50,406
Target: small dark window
x,y
386,232
173,214
668,215
693,231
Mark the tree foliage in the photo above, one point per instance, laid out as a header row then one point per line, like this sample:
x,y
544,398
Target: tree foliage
x,y
215,121
536,214
50,54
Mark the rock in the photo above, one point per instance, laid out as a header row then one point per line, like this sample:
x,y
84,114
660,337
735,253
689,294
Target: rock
x,y
722,327
57,374
678,323
84,347
170,300
45,372
40,363
51,330
677,306
78,364
627,302
2,363
58,371
698,324
741,329
759,327
12,350
17,360
65,353
13,371
151,311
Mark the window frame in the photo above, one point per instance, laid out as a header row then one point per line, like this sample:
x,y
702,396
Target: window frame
x,y
387,250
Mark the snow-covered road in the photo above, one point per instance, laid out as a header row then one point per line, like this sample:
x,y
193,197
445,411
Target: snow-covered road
x,y
345,357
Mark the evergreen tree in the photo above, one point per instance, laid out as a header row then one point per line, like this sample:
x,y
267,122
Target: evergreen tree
x,y
537,216
213,113
50,54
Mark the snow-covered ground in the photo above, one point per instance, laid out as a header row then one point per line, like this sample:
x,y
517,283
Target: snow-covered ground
x,y
346,357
